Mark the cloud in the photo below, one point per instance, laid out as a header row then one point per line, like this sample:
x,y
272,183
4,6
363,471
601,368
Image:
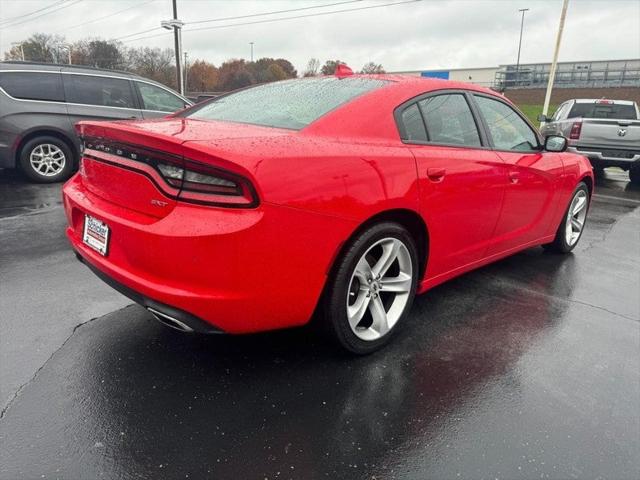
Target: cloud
x,y
426,34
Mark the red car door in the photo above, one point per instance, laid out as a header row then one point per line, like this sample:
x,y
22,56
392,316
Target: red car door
x,y
530,193
461,181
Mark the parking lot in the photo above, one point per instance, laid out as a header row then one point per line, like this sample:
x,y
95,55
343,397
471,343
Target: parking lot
x,y
528,368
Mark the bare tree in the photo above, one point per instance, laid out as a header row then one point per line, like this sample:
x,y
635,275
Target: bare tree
x,y
312,68
371,67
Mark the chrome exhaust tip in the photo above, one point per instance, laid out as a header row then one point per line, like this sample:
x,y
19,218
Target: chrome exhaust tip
x,y
170,321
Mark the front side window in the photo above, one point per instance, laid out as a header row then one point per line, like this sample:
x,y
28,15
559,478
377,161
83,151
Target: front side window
x,y
100,91
508,130
291,104
449,120
33,85
156,98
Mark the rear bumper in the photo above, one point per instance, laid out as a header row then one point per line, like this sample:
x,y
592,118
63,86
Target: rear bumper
x,y
237,270
165,313
602,157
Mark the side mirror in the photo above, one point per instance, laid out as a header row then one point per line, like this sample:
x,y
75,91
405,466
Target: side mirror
x,y
555,143
543,118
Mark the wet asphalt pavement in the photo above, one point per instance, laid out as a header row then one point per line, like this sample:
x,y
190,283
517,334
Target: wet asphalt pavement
x,y
528,368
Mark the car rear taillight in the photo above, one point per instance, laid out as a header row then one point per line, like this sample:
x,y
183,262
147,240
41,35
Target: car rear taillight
x,y
204,184
605,102
576,128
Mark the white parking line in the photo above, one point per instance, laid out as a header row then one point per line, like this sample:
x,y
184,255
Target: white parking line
x,y
611,197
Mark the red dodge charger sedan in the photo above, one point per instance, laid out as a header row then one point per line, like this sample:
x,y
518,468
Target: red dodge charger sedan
x,y
342,196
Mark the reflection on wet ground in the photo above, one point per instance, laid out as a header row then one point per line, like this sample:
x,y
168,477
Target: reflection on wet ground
x,y
527,368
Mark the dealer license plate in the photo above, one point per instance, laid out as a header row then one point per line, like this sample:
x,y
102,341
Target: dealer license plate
x,y
96,234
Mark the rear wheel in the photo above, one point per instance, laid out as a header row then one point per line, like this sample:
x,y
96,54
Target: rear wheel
x,y
634,174
46,159
372,289
572,225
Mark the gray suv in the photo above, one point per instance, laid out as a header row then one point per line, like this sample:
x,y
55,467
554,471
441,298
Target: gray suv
x,y
40,104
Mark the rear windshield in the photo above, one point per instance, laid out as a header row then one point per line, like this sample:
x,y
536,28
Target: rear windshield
x,y
602,110
292,104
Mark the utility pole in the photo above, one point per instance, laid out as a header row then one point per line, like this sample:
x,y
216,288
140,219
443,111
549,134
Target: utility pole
x,y
186,72
523,10
251,43
554,64
176,25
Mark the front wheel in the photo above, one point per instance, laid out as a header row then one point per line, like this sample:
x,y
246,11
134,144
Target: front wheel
x,y
572,225
372,289
46,159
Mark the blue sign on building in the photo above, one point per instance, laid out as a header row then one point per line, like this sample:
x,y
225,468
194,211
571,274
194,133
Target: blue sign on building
x,y
443,74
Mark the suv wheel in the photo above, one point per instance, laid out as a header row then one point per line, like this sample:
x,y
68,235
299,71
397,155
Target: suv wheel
x,y
372,289
46,160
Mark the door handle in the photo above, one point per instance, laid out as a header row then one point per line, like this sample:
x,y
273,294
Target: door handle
x,y
436,174
514,177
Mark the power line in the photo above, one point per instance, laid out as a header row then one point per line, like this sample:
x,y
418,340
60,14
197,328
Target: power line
x,y
11,19
136,33
317,14
272,13
239,17
106,16
61,7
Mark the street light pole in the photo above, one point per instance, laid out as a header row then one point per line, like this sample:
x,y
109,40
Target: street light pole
x,y
176,25
186,72
177,38
523,10
251,43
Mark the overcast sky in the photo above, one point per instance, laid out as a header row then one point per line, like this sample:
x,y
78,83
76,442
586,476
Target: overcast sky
x,y
406,36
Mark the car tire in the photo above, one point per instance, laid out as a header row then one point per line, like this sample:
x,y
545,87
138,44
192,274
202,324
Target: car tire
x,y
574,218
634,174
46,159
359,291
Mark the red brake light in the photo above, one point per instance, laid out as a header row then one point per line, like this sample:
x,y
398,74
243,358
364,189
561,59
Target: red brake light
x,y
576,128
201,183
605,102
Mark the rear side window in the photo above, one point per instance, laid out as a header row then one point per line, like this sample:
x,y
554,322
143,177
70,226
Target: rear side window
x,y
603,110
100,91
33,85
508,130
449,120
292,104
156,98
413,124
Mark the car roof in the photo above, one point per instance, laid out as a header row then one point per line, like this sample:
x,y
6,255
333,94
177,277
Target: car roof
x,y
418,83
58,67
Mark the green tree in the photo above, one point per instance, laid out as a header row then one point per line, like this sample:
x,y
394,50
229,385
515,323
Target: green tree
x,y
234,74
329,67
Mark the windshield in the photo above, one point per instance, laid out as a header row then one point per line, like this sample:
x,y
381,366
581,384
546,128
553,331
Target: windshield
x,y
603,110
292,104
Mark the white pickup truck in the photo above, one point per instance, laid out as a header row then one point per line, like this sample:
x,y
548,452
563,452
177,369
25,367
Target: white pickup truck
x,y
605,131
